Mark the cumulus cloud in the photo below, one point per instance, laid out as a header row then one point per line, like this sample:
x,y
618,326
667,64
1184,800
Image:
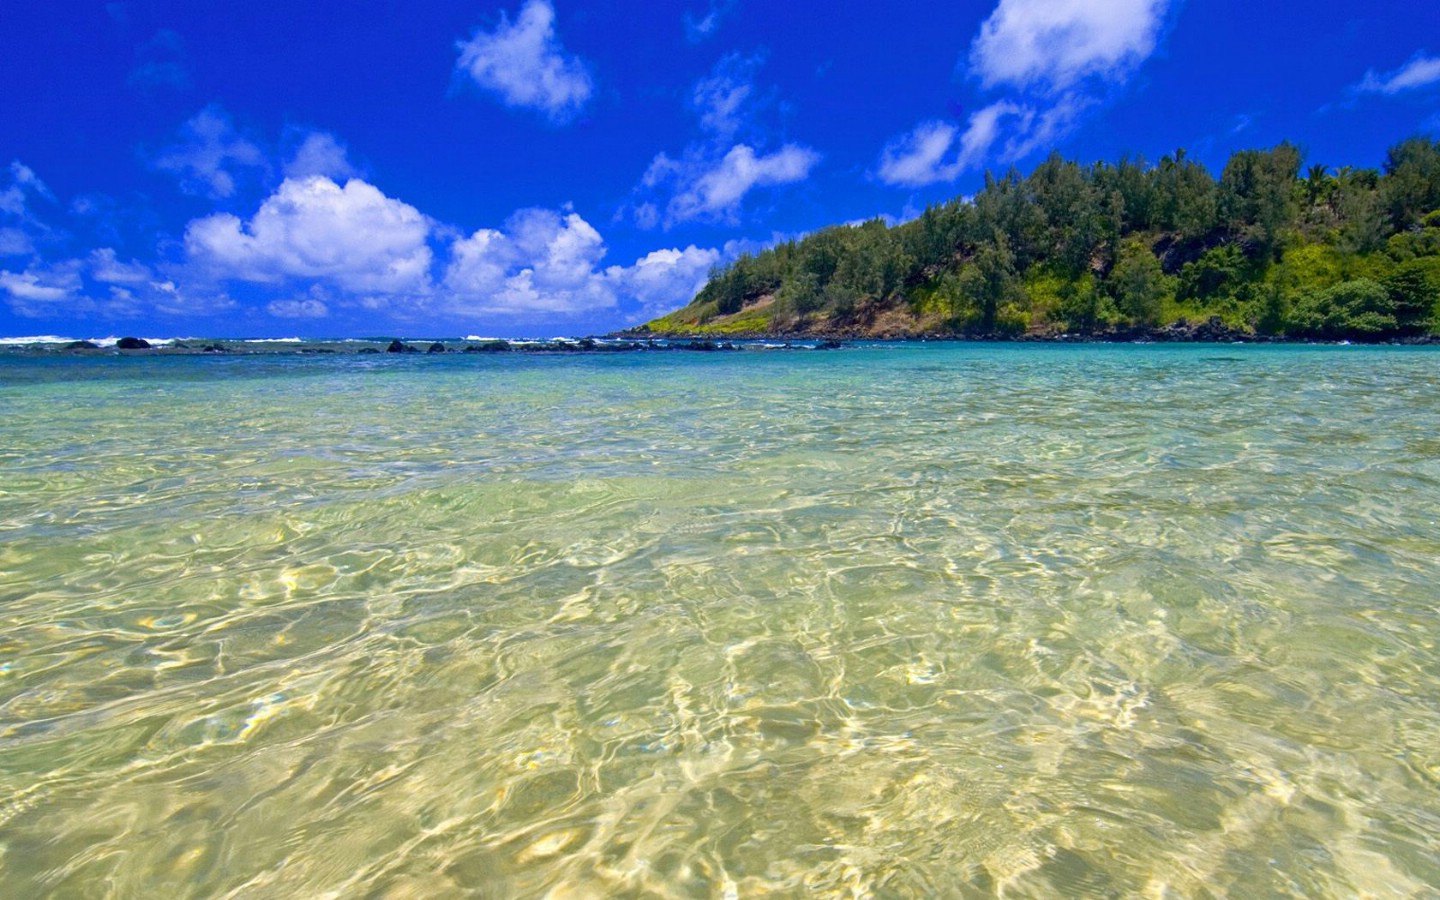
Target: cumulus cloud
x,y
663,280
548,263
209,155
1052,58
1421,72
353,236
524,63
1053,44
321,154
543,261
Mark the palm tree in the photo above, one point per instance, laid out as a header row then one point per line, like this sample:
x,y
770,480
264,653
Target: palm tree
x,y
1317,183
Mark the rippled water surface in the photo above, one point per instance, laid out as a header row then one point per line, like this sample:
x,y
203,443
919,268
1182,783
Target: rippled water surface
x,y
951,621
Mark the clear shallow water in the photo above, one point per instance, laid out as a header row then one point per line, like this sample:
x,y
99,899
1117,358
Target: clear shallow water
x,y
949,621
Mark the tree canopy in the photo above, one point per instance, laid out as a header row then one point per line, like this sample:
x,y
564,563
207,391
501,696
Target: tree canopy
x,y
1271,246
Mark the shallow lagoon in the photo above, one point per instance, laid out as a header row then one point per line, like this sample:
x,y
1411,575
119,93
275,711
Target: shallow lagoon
x,y
929,620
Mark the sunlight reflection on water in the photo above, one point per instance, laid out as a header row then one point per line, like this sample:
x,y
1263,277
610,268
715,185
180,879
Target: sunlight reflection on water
x,y
918,621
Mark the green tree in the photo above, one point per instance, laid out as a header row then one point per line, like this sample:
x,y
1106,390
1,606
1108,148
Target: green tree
x,y
1186,198
1138,283
800,294
990,280
1413,295
1084,307
1317,184
1257,197
1411,186
1215,274
1360,308
1363,227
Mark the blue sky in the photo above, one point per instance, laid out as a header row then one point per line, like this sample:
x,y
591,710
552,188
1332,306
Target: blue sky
x,y
537,167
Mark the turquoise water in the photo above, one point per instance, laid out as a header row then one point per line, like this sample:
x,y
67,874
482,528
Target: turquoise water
x,y
919,621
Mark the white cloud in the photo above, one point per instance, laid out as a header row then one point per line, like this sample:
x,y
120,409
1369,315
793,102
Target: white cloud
x,y
524,63
1039,129
209,154
168,298
20,227
43,287
23,182
924,156
353,236
15,198
713,189
663,279
106,267
711,177
46,290
719,97
1422,71
298,309
1053,44
547,263
1052,57
647,216
918,158
543,262
321,154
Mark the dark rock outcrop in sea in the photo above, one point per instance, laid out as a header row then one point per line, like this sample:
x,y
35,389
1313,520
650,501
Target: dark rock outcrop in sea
x,y
132,343
80,345
436,347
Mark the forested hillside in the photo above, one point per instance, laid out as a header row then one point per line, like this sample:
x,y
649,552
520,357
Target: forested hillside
x,y
1273,247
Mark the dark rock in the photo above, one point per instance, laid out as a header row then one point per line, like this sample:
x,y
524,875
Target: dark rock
x,y
488,347
132,343
436,347
398,346
215,348
829,345
80,345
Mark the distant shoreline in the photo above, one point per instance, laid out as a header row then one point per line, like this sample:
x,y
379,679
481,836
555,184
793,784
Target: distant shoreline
x,y
397,346
642,342
1173,335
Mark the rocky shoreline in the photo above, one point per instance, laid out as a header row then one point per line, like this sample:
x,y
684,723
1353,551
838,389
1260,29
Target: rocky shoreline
x,y
644,340
131,346
1211,331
